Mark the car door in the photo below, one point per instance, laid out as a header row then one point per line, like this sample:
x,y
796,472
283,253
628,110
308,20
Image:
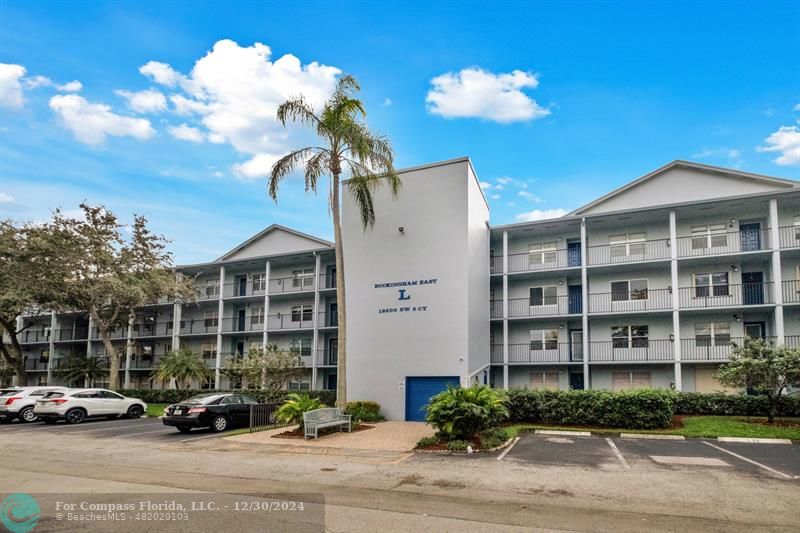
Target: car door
x,y
92,402
113,403
229,405
247,401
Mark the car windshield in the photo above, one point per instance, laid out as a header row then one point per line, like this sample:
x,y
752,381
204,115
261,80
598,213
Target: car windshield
x,y
8,392
203,399
54,395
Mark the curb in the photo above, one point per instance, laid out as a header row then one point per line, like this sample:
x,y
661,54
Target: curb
x,y
487,450
651,436
563,433
753,440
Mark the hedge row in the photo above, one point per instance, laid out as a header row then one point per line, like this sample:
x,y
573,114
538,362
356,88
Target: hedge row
x,y
328,397
698,403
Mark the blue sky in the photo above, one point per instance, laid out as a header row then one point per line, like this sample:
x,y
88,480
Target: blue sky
x,y
555,102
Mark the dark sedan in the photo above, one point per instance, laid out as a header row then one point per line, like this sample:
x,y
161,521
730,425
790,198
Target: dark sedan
x,y
215,410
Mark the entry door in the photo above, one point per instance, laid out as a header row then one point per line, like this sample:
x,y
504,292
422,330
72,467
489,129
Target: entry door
x,y
242,320
240,348
242,286
754,330
333,315
330,382
330,276
752,288
576,345
576,381
420,390
575,297
574,254
750,236
333,352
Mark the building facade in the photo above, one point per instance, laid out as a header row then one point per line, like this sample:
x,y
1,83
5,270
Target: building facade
x,y
648,286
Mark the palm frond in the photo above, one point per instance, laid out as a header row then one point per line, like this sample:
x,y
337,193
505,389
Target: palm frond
x,y
285,166
297,110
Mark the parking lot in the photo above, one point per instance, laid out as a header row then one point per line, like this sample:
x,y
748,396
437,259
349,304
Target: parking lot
x,y
142,429
777,461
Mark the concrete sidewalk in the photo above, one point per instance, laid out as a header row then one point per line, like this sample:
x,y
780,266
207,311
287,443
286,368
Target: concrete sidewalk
x,y
386,436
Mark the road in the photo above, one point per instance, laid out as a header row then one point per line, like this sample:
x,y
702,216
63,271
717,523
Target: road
x,y
543,483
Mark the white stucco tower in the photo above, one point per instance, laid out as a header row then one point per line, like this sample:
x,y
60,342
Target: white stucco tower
x,y
417,289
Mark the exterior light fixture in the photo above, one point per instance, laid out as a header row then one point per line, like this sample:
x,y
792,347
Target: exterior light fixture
x,y
671,337
735,268
402,230
737,318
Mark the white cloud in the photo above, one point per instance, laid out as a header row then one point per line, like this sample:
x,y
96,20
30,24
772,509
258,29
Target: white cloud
x,y
734,154
495,196
485,185
6,198
797,107
504,180
185,132
477,93
34,82
70,87
786,142
234,92
258,167
10,85
529,196
387,102
541,214
147,101
90,123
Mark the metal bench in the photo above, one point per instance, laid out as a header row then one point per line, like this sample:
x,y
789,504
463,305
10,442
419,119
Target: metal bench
x,y
328,417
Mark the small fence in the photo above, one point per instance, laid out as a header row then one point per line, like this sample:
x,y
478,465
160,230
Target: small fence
x,y
264,416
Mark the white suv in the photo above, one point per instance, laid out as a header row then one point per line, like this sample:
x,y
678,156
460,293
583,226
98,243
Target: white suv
x,y
76,405
18,402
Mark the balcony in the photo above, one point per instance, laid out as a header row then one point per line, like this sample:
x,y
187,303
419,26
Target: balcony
x,y
789,236
791,291
80,333
543,352
638,350
207,326
327,281
152,329
792,341
119,333
291,284
709,297
33,337
327,357
719,348
243,324
210,292
247,287
631,301
327,319
140,363
35,365
629,252
288,321
546,306
539,260
496,354
734,242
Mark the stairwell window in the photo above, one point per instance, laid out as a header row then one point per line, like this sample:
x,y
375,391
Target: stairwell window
x,y
542,253
257,316
630,336
544,339
635,289
301,346
210,319
303,278
209,350
711,284
301,313
709,236
627,244
712,334
259,282
212,288
541,296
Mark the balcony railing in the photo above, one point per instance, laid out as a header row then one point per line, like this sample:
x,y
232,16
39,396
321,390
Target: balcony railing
x,y
791,291
140,363
708,348
634,350
201,325
724,243
544,352
548,306
792,341
35,364
327,319
726,295
33,337
243,324
496,353
327,281
119,333
208,292
152,329
327,357
244,288
291,284
73,334
626,301
789,236
630,252
290,321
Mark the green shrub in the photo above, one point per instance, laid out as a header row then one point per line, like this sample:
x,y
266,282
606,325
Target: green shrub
x,y
364,411
457,445
424,442
492,438
168,396
291,412
460,413
720,404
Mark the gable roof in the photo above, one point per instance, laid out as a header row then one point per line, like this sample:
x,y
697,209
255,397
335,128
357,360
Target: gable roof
x,y
314,242
778,183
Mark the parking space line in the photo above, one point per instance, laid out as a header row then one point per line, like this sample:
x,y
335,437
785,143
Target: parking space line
x,y
743,458
505,452
106,428
203,437
619,455
159,430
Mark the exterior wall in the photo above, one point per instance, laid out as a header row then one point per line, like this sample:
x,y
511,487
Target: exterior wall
x,y
274,243
661,376
520,376
477,276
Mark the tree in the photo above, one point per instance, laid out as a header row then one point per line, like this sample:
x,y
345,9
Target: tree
x,y
460,413
270,367
183,366
80,370
291,412
113,270
32,275
348,149
763,368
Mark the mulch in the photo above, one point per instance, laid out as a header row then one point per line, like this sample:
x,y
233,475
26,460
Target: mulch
x,y
298,433
792,424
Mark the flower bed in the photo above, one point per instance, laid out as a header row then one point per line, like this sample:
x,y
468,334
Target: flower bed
x,y
298,433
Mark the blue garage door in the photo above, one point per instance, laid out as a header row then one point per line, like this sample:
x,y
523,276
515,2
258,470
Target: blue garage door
x,y
419,392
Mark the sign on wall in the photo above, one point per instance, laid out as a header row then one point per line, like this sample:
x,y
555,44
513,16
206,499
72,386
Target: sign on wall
x,y
409,296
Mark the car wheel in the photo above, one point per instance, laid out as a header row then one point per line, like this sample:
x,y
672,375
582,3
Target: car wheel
x,y
219,424
75,416
184,429
135,411
27,415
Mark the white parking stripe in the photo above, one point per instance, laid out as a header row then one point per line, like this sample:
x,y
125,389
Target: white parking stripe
x,y
743,458
204,437
500,457
82,429
159,430
619,455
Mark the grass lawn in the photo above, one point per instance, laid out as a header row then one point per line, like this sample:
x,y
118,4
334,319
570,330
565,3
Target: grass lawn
x,y
695,427
156,409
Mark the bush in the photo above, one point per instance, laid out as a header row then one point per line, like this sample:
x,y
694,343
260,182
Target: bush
x,y
457,445
291,412
492,438
327,397
424,442
460,413
364,411
719,404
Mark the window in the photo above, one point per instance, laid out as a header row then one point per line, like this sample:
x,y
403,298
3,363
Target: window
x,y
635,289
212,288
303,278
629,336
209,350
301,346
543,296
711,284
712,334
147,352
257,316
210,319
44,356
630,380
544,339
299,385
301,313
544,380
541,253
709,236
259,282
627,244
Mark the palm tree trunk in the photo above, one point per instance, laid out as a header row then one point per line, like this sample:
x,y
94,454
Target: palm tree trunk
x,y
341,343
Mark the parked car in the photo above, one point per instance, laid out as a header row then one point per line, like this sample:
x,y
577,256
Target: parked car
x,y
77,405
18,402
218,411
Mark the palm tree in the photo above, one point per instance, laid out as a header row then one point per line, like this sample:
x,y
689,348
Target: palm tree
x,y
183,366
291,412
82,370
348,149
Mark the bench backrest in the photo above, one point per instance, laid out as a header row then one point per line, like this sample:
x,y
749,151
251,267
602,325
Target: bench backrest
x,y
326,414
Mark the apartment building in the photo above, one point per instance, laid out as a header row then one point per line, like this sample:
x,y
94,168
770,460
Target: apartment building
x,y
647,286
